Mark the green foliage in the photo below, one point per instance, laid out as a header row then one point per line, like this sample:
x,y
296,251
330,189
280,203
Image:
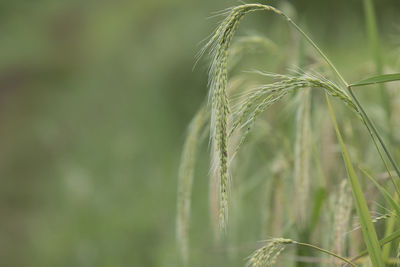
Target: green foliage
x,y
369,233
378,79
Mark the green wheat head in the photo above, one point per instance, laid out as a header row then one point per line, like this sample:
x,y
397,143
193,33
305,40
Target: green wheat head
x,y
185,181
268,254
218,47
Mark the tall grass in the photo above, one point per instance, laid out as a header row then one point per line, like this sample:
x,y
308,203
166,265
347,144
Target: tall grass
x,y
231,125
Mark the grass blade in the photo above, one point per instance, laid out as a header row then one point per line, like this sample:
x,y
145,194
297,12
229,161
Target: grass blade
x,y
384,78
368,230
393,203
382,242
389,199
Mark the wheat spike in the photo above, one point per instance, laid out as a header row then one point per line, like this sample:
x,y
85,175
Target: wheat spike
x,y
266,95
268,254
218,46
185,180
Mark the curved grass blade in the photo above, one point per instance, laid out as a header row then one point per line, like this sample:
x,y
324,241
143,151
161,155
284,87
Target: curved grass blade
x,y
384,78
382,242
393,203
389,199
367,227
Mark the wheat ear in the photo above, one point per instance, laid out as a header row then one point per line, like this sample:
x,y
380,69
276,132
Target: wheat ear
x,y
219,46
185,181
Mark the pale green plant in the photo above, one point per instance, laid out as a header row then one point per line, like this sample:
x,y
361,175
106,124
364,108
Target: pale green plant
x,y
226,120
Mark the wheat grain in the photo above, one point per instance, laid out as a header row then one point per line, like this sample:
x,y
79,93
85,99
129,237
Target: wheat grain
x,y
268,254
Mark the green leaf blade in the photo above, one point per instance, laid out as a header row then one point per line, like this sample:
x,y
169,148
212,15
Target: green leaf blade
x,y
367,227
378,79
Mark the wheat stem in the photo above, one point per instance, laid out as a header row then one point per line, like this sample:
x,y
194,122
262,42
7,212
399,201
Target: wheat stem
x,y
325,251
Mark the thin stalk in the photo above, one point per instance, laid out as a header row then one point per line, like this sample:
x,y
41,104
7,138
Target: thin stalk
x,y
317,49
373,36
325,251
369,124
375,131
372,31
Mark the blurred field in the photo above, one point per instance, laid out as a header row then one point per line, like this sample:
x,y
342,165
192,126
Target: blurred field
x,y
95,98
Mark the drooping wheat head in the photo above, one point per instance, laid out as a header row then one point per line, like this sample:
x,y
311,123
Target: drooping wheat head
x,y
268,254
218,47
264,96
218,80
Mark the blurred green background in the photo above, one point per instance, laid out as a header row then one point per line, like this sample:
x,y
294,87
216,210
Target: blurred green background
x,y
95,97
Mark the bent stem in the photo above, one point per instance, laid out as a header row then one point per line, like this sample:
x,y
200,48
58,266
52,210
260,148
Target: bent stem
x,y
325,251
317,49
375,131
